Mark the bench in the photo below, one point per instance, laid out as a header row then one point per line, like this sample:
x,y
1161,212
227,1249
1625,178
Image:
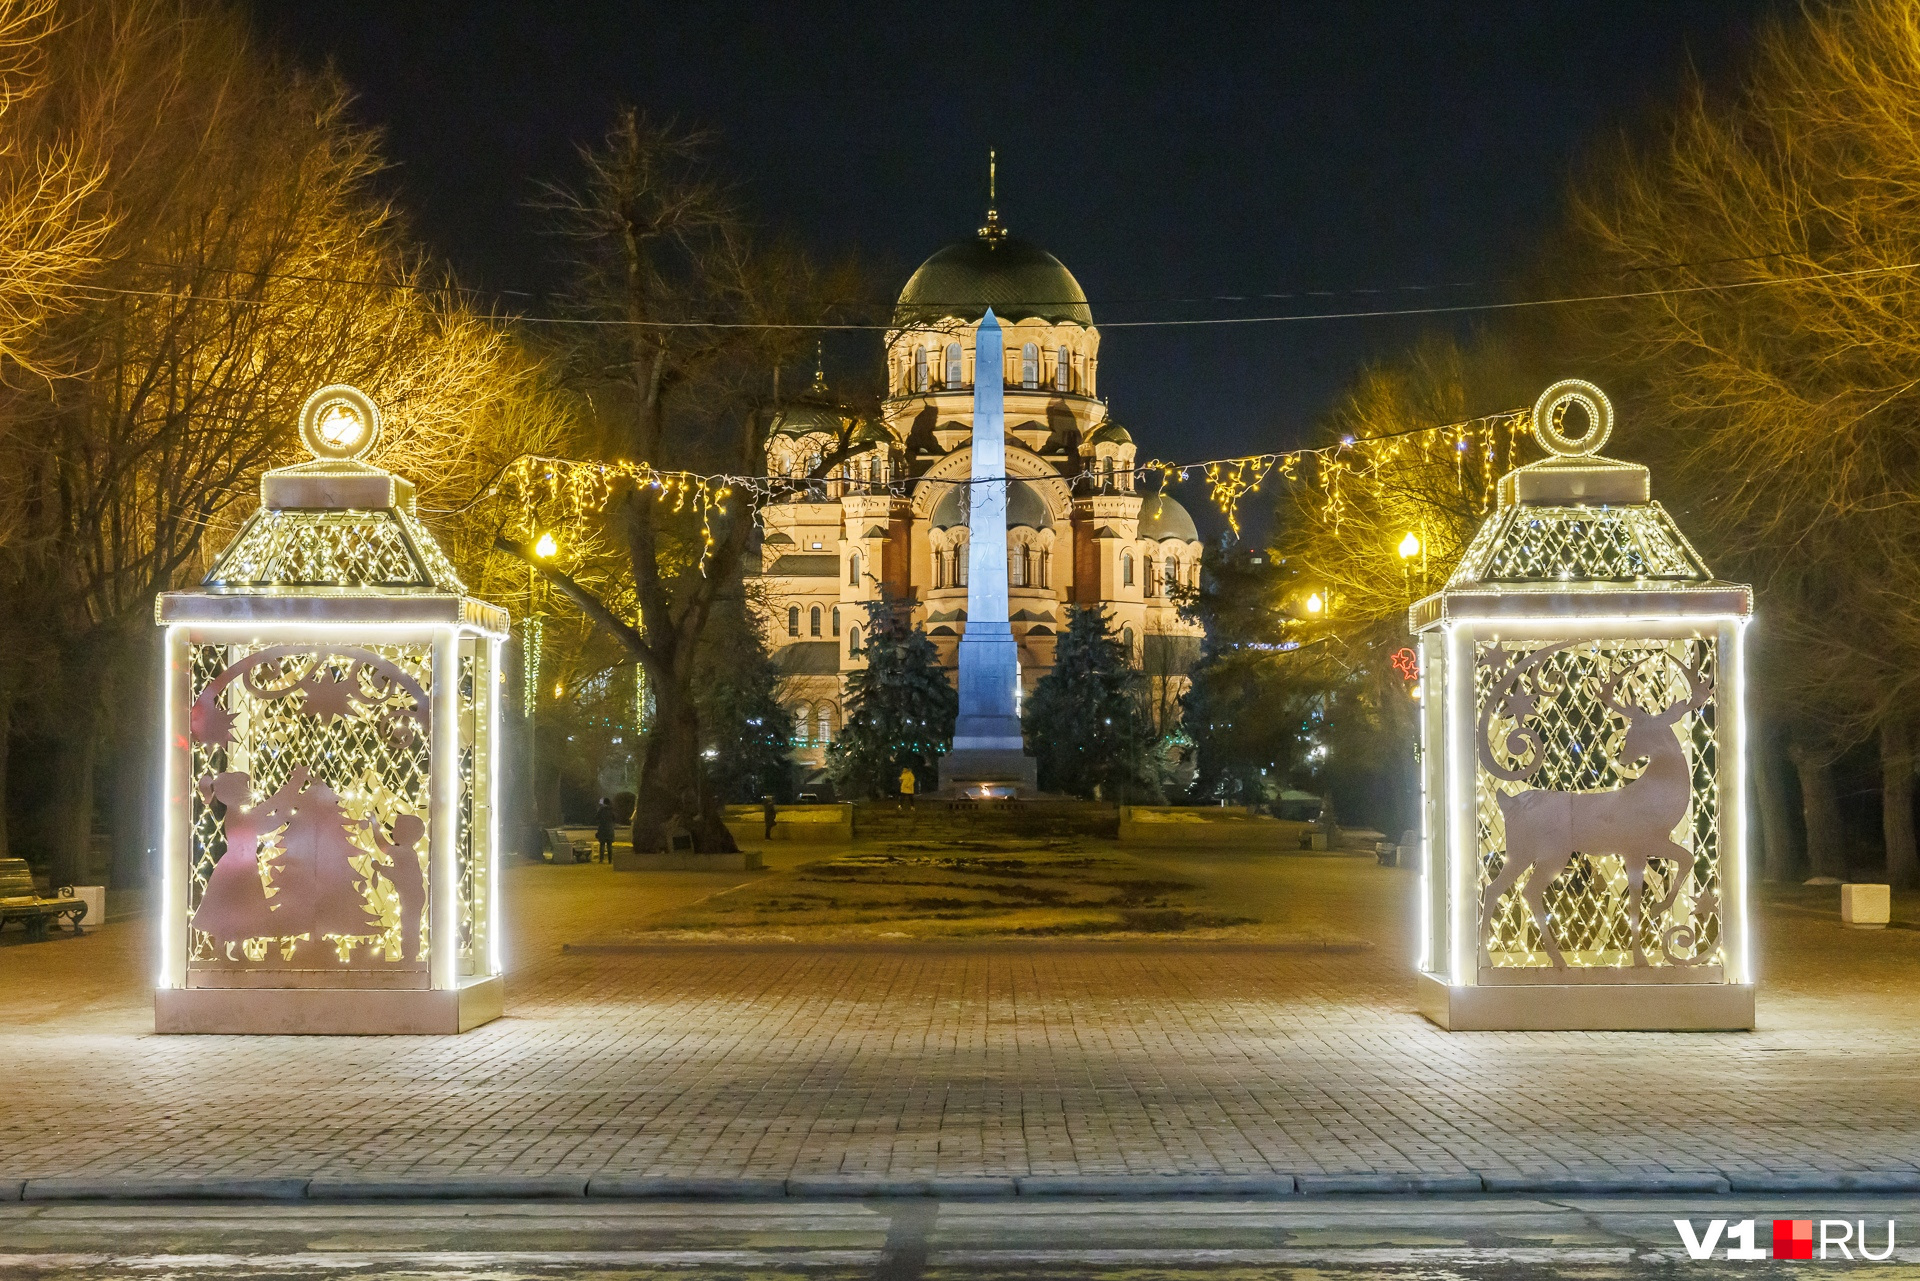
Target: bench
x,y
564,849
18,902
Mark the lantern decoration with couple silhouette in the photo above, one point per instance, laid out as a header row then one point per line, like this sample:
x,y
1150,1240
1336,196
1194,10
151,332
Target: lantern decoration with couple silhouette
x,y
1584,860
331,758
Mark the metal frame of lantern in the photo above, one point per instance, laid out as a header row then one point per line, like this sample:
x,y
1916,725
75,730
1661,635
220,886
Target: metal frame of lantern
x,y
330,764
1583,759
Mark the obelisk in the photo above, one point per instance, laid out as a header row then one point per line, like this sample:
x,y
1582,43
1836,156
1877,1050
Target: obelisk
x,y
988,756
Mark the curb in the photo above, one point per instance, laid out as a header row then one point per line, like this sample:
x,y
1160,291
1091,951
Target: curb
x,y
1151,1185
836,1186
162,1189
1830,1181
1351,1184
1591,1184
481,1188
642,1187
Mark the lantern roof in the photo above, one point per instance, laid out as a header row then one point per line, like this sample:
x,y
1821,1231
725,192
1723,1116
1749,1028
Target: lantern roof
x,y
1577,533
337,533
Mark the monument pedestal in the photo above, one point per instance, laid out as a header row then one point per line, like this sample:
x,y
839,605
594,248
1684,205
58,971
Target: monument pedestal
x,y
988,772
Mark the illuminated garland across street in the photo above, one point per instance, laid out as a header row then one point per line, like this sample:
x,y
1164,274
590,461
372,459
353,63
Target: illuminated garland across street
x,y
549,489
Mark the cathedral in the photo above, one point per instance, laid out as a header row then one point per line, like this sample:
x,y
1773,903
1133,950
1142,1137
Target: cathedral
x,y
893,516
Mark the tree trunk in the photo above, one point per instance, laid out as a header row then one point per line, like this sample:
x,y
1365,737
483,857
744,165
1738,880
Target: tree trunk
x,y
72,807
671,794
1826,836
6,737
133,790
1896,800
1781,854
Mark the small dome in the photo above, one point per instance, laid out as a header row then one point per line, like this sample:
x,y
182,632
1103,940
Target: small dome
x,y
1110,431
807,418
1016,278
1024,507
813,412
872,433
1163,517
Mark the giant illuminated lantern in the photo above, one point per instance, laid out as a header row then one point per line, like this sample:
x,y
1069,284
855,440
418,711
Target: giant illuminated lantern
x,y
1583,759
329,764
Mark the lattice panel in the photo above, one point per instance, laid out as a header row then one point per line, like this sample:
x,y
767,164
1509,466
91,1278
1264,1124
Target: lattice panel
x,y
1526,544
377,761
302,548
1593,808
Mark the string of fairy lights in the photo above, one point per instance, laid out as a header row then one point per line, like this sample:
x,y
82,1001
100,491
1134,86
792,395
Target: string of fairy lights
x,y
550,489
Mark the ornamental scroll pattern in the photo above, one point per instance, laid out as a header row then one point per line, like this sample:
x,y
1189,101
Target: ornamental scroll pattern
x,y
311,792
1598,805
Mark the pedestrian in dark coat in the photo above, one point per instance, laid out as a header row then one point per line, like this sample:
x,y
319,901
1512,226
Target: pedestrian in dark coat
x,y
603,830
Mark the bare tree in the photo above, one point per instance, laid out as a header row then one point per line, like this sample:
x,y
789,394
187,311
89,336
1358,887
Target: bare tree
x,y
687,321
249,261
1769,365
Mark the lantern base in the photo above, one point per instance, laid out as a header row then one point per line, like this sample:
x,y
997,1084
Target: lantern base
x,y
1588,1007
327,1011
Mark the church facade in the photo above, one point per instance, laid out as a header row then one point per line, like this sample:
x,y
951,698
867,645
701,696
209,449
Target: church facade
x,y
892,518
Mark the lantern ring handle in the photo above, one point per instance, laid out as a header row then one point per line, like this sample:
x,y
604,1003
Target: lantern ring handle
x,y
1551,407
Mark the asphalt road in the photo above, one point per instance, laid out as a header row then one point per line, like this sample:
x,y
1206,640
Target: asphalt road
x,y
1431,1238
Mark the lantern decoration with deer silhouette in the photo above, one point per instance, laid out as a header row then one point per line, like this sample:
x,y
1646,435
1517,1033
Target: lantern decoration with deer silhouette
x,y
329,764
1582,764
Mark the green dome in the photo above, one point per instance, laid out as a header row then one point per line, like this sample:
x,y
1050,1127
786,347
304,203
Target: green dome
x,y
1018,279
807,418
1163,517
1110,431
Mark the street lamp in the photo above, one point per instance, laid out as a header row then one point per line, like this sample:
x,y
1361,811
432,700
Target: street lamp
x,y
545,547
1315,604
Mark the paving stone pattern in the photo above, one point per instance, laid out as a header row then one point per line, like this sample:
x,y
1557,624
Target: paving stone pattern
x,y
1009,1060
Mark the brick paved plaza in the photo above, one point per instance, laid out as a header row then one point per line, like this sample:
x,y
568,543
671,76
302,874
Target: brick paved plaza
x,y
914,1061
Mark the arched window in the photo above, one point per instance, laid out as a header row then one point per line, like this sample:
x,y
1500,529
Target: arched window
x,y
1126,638
803,723
793,620
1149,578
1106,467
853,570
1173,572
1063,372
813,621
956,369
939,569
826,723
1016,567
836,620
1126,569
1030,365
919,368
960,566
853,642
1045,560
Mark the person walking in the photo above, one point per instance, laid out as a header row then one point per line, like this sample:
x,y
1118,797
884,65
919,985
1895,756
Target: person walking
x,y
603,830
767,812
907,784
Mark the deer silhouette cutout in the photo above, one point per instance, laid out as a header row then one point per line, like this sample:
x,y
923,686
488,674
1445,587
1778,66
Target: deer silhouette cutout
x,y
1634,821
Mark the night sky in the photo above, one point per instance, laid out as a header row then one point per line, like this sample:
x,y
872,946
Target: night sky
x,y
1165,152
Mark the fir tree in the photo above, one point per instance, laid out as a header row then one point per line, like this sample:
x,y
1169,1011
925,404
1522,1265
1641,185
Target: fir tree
x,y
1086,723
747,733
900,709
